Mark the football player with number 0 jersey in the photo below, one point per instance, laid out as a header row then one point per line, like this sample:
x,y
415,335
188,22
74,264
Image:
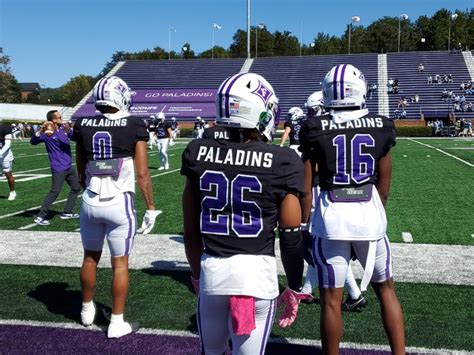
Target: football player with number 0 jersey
x,y
349,149
235,194
111,151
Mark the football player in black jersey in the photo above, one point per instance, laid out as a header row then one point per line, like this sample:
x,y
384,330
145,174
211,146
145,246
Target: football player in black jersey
x,y
6,158
349,149
163,136
292,128
236,193
111,152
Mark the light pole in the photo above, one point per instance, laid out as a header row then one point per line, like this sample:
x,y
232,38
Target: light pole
x,y
215,27
301,36
259,26
451,17
170,28
353,19
400,18
248,29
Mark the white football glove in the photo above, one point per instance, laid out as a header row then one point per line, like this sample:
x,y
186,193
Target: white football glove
x,y
148,221
171,143
290,300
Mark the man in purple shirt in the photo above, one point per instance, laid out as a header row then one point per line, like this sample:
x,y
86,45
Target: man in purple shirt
x,y
59,153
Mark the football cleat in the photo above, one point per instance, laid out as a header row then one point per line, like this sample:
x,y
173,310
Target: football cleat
x,y
354,305
41,221
119,329
11,196
65,215
88,314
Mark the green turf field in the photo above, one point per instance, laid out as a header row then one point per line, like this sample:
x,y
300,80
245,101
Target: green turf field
x,y
431,196
435,315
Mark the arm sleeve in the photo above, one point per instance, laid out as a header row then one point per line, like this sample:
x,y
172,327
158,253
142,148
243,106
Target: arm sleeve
x,y
292,253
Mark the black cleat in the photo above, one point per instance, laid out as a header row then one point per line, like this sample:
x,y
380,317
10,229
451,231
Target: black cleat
x,y
357,305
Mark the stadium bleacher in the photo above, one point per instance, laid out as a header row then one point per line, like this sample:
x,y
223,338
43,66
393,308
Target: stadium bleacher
x,y
404,67
190,73
295,78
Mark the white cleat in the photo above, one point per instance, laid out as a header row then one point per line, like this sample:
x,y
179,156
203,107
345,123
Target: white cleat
x,y
88,314
11,196
119,329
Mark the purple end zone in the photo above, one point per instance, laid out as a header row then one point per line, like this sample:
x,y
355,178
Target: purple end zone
x,y
34,340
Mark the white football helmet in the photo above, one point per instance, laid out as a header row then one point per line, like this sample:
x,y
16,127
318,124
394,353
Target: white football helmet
x,y
295,114
247,100
344,86
114,92
315,104
160,117
173,119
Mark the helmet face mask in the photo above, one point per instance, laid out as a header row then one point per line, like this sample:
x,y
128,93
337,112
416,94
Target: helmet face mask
x,y
247,100
344,87
113,92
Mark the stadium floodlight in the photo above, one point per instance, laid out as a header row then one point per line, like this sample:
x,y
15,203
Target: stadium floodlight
x,y
451,17
400,18
353,19
170,28
215,27
260,26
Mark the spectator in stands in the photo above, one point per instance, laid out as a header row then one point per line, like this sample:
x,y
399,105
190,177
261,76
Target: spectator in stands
x,y
469,107
437,79
444,95
430,80
469,126
421,68
450,78
415,99
59,154
372,89
462,86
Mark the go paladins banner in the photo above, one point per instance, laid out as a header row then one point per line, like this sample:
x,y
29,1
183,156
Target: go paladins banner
x,y
180,103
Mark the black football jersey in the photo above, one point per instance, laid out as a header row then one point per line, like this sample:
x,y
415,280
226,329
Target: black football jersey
x,y
347,153
220,132
295,131
174,125
241,187
4,130
102,138
162,130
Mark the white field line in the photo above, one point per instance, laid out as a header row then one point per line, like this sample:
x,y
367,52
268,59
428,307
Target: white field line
x,y
29,155
28,226
407,237
443,152
183,333
59,201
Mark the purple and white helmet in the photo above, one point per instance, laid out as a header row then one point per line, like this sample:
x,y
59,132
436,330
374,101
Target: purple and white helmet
x,y
344,86
113,92
247,100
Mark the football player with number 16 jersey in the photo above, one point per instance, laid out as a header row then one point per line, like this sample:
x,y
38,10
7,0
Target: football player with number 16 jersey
x,y
349,149
235,194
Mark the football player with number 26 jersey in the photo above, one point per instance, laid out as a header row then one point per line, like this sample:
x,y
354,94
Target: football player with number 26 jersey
x,y
349,149
236,193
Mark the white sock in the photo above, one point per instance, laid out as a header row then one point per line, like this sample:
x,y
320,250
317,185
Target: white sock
x,y
351,284
116,318
311,279
87,305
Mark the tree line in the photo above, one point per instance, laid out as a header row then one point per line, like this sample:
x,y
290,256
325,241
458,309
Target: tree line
x,y
381,36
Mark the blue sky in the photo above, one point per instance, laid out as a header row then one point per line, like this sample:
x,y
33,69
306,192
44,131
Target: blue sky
x,y
50,41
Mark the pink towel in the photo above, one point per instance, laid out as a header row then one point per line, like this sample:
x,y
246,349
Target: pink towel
x,y
242,311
